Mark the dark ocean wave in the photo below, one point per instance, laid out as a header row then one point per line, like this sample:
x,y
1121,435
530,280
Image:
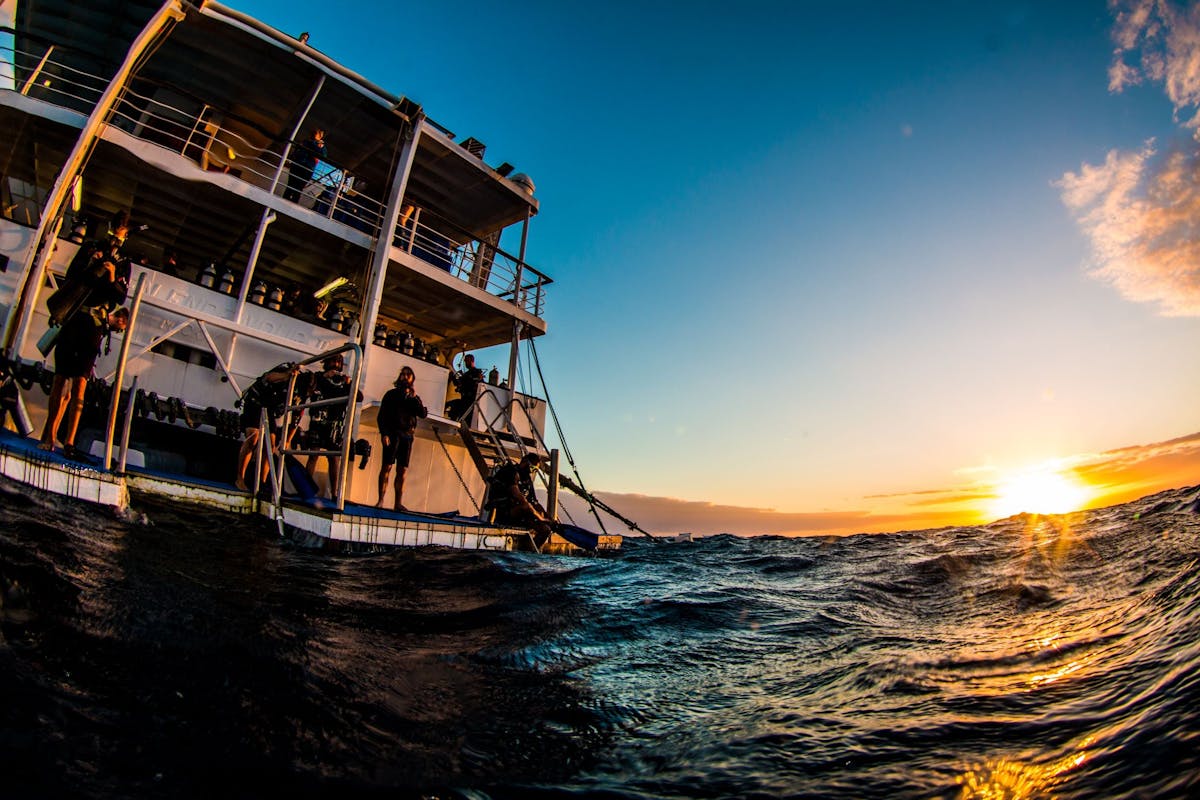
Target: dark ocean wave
x,y
174,652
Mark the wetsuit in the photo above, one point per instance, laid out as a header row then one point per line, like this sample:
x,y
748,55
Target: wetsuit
x,y
467,385
264,393
78,345
326,424
500,494
398,415
87,284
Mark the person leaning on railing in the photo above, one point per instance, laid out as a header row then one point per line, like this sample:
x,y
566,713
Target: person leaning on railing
x,y
269,391
304,164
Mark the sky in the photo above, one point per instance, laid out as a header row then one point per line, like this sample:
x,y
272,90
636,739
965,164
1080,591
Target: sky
x,y
831,268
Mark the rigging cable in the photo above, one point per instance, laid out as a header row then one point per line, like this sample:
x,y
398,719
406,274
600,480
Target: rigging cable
x,y
579,487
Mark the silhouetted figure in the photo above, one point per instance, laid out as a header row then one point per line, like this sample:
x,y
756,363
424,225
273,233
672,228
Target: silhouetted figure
x,y
512,496
467,383
269,391
303,163
75,353
398,414
326,425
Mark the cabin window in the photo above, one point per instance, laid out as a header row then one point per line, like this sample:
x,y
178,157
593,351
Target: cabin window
x,y
186,354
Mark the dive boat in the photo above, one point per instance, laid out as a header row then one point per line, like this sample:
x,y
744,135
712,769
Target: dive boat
x,y
401,247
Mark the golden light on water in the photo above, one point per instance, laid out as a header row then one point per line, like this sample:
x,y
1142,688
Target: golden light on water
x,y
1009,779
1040,490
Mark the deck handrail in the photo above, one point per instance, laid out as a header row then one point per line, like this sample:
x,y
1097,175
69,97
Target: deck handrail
x,y
126,340
482,264
504,417
285,449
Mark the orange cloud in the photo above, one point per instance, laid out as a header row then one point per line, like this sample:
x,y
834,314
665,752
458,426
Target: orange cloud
x,y
1140,213
1162,40
1139,209
1131,472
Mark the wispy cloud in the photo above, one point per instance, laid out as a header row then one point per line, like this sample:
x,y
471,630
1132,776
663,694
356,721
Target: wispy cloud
x,y
1132,472
1142,214
1141,209
1158,41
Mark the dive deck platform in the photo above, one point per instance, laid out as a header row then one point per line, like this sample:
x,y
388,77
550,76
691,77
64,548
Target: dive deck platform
x,y
312,522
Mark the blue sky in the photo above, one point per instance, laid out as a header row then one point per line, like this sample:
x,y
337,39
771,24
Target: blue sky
x,y
818,258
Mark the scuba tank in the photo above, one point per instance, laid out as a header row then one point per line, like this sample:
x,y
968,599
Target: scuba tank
x,y
226,286
275,301
408,344
381,335
208,278
258,295
393,340
494,376
338,321
79,231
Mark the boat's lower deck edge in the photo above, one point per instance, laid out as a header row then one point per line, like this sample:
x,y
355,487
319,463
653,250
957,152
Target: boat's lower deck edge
x,y
393,529
23,462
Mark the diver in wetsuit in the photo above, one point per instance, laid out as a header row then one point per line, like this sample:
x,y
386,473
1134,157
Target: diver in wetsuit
x,y
326,424
75,353
467,383
511,495
269,391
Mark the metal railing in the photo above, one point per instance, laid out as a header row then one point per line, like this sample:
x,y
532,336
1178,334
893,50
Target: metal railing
x,y
285,449
502,422
197,134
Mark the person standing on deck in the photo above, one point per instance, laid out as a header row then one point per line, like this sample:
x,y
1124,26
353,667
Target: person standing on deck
x,y
398,414
304,164
467,383
75,353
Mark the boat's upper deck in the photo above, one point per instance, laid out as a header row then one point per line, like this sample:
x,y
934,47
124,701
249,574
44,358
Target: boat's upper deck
x,y
200,143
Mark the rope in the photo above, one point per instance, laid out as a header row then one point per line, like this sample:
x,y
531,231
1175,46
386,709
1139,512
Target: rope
x,y
578,487
454,466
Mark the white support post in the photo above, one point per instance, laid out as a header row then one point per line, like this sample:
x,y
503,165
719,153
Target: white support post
x,y
126,340
16,324
37,71
287,148
268,216
383,242
513,355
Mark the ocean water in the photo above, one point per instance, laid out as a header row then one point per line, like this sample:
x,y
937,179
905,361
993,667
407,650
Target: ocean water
x,y
193,654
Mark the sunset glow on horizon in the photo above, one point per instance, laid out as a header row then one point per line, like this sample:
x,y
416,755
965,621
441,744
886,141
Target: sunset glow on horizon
x,y
1039,490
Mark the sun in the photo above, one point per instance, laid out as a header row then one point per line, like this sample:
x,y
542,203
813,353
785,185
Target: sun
x,y
1040,491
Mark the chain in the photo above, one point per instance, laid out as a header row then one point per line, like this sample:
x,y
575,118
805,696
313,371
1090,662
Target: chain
x,y
454,466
